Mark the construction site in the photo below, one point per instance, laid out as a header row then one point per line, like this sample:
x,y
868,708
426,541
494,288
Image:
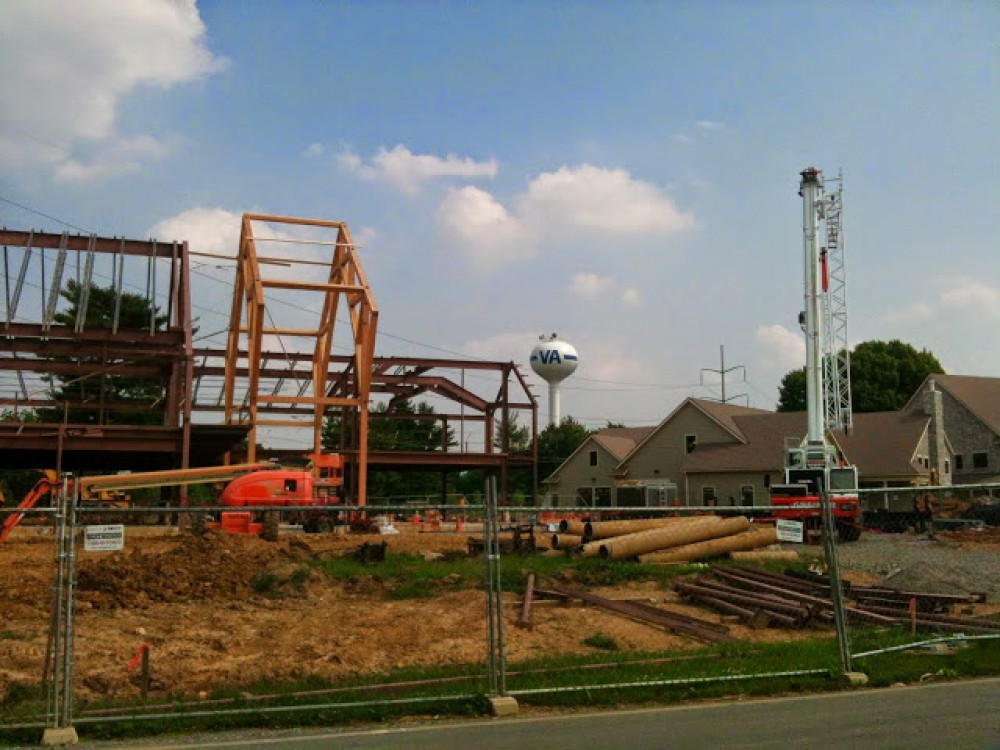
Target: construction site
x,y
288,572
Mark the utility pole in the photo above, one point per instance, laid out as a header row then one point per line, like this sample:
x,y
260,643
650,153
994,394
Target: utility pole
x,y
722,372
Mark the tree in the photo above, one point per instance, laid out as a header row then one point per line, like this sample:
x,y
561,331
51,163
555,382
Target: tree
x,y
518,437
792,391
134,312
884,376
557,442
399,429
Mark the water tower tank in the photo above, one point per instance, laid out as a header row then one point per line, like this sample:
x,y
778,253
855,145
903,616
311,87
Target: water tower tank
x,y
553,360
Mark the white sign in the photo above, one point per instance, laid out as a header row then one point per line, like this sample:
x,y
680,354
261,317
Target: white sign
x,y
106,538
789,531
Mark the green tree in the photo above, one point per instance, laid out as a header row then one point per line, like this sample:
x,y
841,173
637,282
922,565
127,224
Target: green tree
x,y
557,442
884,376
134,313
792,391
404,427
518,437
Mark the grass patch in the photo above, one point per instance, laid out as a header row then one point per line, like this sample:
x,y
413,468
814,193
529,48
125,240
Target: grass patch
x,y
706,673
410,576
13,635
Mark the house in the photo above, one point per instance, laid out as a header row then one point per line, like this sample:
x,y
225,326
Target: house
x,y
971,414
585,477
705,453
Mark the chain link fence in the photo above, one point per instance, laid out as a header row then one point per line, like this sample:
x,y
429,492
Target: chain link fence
x,y
459,608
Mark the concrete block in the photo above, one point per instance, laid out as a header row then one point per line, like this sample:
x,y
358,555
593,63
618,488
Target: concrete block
x,y
856,678
503,705
60,736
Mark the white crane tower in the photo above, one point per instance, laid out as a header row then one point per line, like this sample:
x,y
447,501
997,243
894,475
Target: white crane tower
x,y
828,385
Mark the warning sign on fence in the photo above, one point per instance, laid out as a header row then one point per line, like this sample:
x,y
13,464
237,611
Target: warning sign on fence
x,y
789,531
104,538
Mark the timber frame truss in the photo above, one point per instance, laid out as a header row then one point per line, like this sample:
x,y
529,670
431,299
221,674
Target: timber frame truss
x,y
252,320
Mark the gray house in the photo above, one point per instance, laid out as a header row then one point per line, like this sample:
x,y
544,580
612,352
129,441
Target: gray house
x,y
971,414
709,454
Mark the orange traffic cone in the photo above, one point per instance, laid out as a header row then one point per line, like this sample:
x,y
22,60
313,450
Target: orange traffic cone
x,y
458,523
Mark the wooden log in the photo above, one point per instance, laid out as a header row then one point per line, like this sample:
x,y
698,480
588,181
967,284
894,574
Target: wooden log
x,y
696,530
593,548
609,529
715,547
566,541
571,526
762,555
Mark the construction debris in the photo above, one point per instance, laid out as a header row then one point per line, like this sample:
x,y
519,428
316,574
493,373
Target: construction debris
x,y
795,600
672,621
683,531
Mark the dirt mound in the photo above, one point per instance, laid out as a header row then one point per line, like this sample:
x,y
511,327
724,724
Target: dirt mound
x,y
215,566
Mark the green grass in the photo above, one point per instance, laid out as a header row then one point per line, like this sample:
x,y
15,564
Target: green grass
x,y
410,576
702,669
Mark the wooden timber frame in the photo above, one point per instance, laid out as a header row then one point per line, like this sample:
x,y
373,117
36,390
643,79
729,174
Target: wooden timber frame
x,y
250,322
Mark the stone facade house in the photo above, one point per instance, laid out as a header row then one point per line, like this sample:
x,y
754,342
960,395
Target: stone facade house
x,y
971,413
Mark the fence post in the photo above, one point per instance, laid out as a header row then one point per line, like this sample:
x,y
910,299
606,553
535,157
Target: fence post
x,y
836,589
59,661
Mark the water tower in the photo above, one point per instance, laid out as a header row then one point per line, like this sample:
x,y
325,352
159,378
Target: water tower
x,y
553,361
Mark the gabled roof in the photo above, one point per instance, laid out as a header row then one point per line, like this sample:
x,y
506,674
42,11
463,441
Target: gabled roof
x,y
883,443
880,444
619,441
723,414
980,395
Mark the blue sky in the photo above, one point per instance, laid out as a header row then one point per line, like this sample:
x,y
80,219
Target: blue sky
x,y
624,174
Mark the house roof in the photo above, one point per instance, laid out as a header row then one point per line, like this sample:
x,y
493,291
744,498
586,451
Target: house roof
x,y
722,413
980,395
880,444
619,441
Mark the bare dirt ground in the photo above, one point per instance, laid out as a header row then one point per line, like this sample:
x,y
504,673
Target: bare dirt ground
x,y
193,601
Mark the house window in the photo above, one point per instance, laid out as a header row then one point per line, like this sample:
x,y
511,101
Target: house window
x,y
554,498
927,462
602,497
980,459
958,462
593,458
947,466
585,497
746,495
690,441
708,496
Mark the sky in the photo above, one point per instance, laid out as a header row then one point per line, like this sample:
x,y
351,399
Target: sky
x,y
622,174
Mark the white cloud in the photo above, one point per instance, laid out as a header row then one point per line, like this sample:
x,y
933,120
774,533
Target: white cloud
x,y
593,286
481,227
568,204
69,65
710,125
408,172
206,230
783,349
973,296
608,200
630,296
590,285
118,156
962,295
314,149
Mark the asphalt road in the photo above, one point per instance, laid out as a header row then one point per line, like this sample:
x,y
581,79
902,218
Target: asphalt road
x,y
950,716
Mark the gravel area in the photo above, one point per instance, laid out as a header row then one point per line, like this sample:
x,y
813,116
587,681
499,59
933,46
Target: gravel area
x,y
923,563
